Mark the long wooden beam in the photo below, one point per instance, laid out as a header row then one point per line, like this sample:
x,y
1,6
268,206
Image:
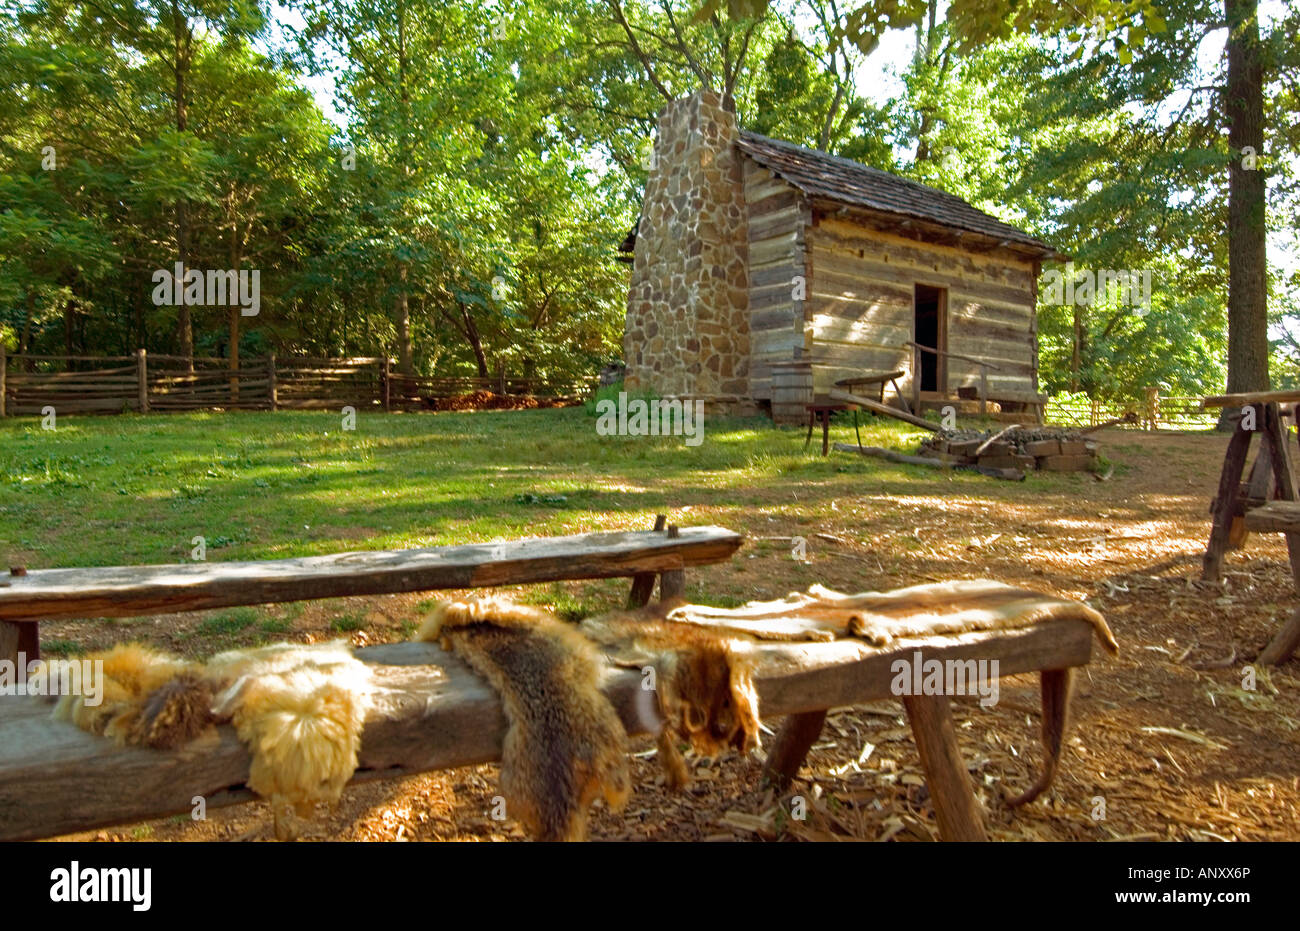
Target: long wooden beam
x,y
850,398
127,591
433,713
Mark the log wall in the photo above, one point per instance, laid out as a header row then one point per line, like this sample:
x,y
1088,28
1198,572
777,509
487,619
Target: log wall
x,y
778,219
859,312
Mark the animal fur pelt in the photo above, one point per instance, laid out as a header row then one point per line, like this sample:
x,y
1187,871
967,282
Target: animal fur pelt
x,y
298,708
149,699
704,681
565,743
883,617
707,652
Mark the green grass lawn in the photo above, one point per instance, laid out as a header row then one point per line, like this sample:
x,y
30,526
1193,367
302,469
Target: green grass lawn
x,y
137,490
133,490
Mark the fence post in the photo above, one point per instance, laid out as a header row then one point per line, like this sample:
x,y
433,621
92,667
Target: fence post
x,y
1153,408
1094,412
142,381
984,389
501,379
387,389
3,365
270,377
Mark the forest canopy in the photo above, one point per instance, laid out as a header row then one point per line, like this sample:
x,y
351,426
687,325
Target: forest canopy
x,y
447,182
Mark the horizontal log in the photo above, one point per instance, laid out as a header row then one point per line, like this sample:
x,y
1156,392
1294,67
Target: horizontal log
x,y
110,405
832,261
75,375
1253,397
1274,517
28,355
879,408
851,237
1006,474
128,591
432,713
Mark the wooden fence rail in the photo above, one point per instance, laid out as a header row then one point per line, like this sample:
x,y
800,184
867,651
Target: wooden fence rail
x,y
29,384
1155,411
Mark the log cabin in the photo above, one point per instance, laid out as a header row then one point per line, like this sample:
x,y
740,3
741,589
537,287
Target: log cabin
x,y
763,272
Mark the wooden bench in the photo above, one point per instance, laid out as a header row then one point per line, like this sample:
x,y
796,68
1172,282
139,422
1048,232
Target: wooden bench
x,y
131,591
432,712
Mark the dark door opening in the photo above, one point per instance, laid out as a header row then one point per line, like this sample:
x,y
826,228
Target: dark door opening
x,y
929,330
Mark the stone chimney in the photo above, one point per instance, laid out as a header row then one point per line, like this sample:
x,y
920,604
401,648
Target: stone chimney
x,y
687,328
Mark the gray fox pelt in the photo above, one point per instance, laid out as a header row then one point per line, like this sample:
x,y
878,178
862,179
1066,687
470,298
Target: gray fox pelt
x,y
565,744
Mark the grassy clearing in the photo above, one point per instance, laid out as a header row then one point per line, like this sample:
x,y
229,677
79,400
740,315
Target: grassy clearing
x,y
139,490
130,489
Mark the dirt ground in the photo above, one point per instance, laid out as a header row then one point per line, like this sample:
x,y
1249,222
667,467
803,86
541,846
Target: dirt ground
x,y
1166,744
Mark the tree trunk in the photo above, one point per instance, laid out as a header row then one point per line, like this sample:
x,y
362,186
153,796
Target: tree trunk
x,y
25,340
1076,358
475,341
68,326
402,317
233,314
1247,251
184,328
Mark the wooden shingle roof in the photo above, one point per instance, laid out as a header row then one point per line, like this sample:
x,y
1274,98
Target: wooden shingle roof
x,y
821,175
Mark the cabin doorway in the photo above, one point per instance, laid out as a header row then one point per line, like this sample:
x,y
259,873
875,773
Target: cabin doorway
x,y
930,328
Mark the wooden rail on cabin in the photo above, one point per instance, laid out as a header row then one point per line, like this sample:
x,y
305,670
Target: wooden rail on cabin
x,y
917,349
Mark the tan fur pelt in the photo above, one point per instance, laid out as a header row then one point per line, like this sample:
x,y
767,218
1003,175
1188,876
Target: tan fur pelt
x,y
299,709
704,682
138,705
882,617
565,744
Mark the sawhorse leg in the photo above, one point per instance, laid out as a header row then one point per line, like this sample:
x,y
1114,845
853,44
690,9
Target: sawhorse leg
x,y
1225,502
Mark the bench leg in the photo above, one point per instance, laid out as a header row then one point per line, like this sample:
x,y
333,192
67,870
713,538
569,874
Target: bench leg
x,y
811,420
826,434
1286,642
793,741
955,807
643,583
672,584
24,638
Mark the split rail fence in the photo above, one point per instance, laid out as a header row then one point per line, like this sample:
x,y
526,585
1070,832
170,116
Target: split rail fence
x,y
1155,411
146,383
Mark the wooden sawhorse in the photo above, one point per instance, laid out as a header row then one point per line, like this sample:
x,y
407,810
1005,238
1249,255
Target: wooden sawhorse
x,y
1239,508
